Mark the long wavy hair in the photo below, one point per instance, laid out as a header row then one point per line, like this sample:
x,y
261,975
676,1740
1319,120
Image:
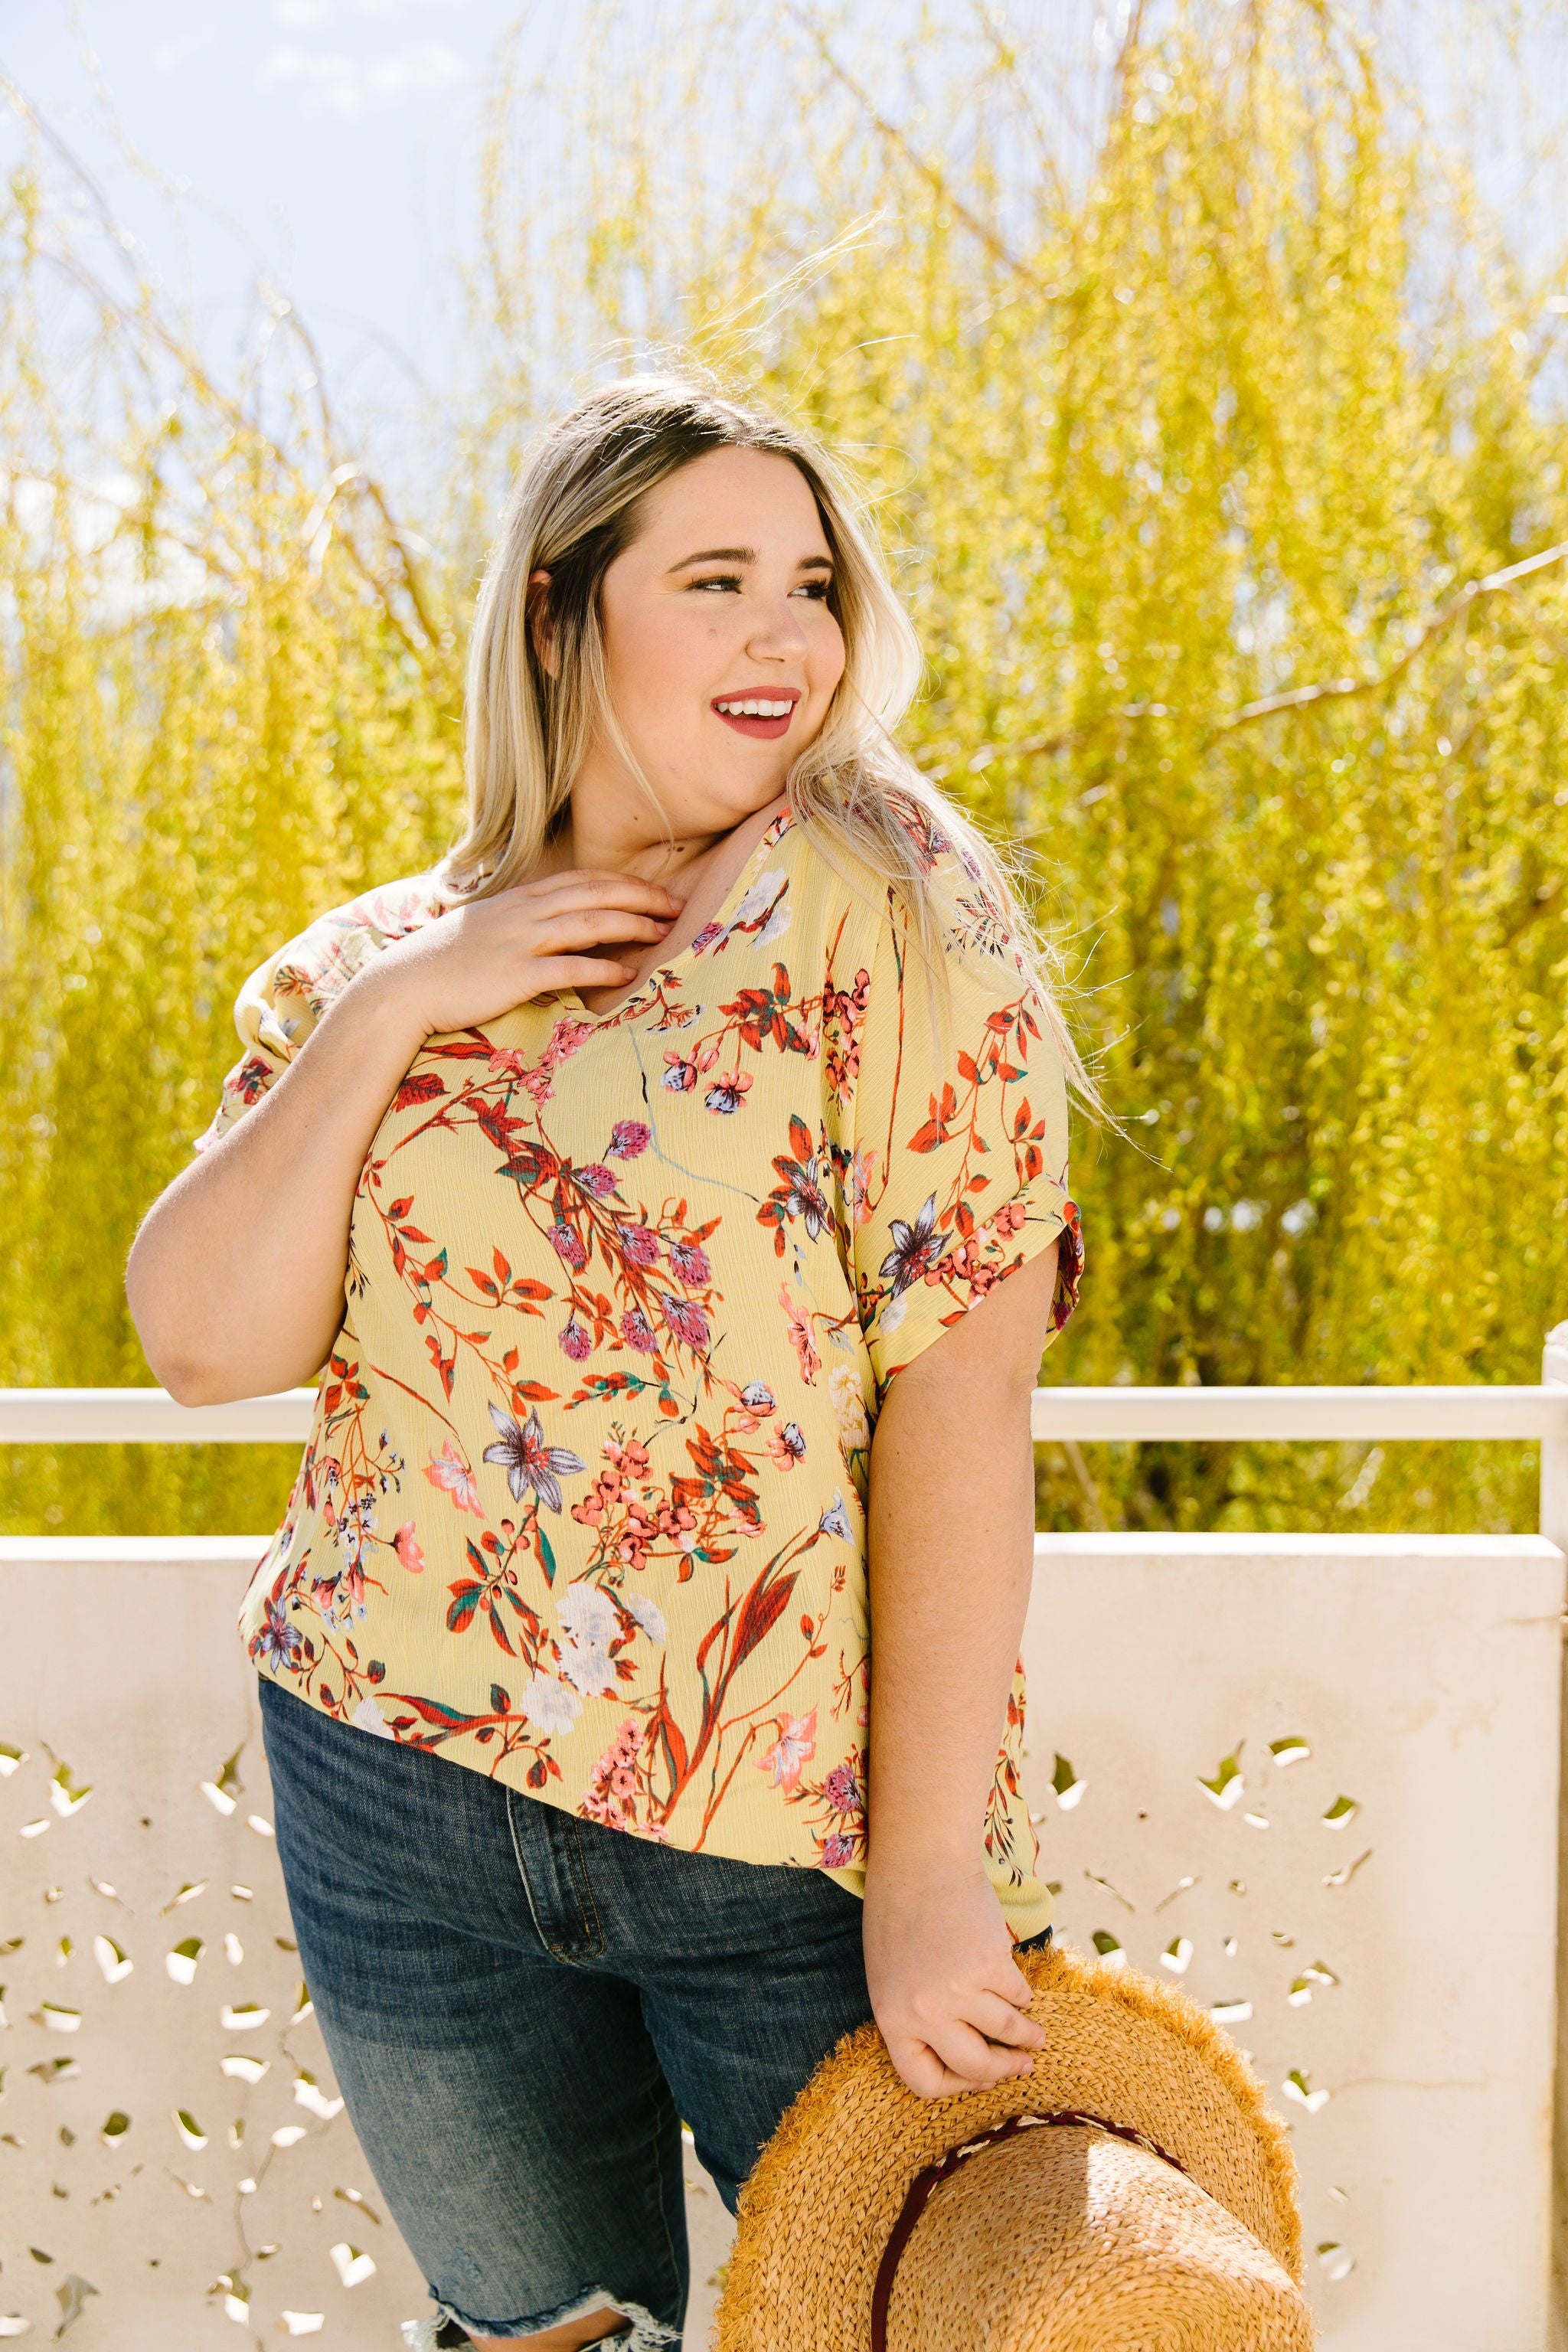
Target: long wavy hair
x,y
853,791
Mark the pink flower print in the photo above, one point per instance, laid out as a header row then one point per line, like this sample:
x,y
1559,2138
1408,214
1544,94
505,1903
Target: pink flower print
x,y
576,1341
1009,1217
638,1245
687,1322
729,1094
611,1794
505,1063
842,1789
566,1244
837,1851
451,1473
596,1179
787,1446
800,1335
630,1137
637,1331
564,1040
796,1746
862,1173
680,1075
689,1262
407,1550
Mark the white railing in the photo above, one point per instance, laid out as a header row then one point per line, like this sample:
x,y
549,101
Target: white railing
x,y
1316,1778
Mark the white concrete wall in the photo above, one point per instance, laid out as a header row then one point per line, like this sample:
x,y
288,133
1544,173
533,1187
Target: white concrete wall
x,y
1423,1674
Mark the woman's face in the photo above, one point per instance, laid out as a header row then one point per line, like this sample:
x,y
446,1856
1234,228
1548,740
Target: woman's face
x,y
721,600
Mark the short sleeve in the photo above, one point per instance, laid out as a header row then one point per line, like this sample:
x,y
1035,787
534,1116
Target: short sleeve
x,y
282,1000
958,1173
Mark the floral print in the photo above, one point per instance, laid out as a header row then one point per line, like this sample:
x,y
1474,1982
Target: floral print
x,y
582,1503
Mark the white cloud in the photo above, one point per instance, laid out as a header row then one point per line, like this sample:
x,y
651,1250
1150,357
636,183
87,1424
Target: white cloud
x,y
345,84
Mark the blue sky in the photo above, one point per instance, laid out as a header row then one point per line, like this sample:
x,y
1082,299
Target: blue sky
x,y
331,144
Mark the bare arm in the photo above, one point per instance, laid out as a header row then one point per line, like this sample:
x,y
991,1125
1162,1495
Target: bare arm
x,y
236,1278
951,1532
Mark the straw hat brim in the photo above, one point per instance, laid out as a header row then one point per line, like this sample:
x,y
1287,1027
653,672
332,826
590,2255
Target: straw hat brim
x,y
817,2213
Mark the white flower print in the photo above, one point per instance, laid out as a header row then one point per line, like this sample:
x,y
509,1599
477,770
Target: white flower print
x,y
647,1615
548,1706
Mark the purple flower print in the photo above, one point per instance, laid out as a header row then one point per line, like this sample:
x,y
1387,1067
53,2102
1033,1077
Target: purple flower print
x,y
681,1077
596,1179
757,1397
835,1520
637,1331
279,1642
577,1341
630,1137
726,1094
529,1461
808,1200
837,1851
793,1436
564,1241
687,1322
638,1245
916,1248
842,1788
689,1263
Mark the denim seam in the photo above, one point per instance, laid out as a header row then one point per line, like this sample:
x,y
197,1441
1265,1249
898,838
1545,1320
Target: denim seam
x,y
659,2184
588,1910
545,1943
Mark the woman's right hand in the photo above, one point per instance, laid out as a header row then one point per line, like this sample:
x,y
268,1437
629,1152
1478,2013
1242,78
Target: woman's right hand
x,y
476,961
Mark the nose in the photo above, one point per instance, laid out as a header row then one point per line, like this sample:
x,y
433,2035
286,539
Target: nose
x,y
778,635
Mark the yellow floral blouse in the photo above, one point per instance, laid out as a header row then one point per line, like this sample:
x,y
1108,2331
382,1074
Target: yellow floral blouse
x,y
583,1501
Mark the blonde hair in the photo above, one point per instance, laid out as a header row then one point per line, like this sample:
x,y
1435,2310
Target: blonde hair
x,y
573,508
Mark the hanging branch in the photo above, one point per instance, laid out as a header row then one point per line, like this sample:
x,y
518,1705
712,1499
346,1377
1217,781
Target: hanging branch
x,y
1299,698
918,163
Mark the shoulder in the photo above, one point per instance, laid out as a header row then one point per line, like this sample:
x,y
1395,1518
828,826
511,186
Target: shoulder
x,y
972,924
319,961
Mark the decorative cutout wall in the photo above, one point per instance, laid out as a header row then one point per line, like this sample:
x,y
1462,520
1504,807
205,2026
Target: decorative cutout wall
x,y
1316,1786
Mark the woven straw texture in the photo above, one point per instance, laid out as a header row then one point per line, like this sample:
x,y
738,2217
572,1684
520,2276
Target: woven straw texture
x,y
819,2206
1068,2241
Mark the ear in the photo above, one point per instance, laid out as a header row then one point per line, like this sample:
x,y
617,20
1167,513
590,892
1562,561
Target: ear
x,y
541,627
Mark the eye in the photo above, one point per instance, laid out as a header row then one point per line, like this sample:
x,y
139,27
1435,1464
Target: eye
x,y
818,591
718,580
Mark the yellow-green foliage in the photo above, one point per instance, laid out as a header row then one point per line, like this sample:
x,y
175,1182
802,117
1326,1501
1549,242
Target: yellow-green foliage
x,y
1198,467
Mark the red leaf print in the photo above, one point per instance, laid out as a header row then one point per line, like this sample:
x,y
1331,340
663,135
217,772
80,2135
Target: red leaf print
x,y
759,1613
423,1088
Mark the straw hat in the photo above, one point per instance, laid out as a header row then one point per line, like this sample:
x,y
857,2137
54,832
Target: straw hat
x,y
1133,2194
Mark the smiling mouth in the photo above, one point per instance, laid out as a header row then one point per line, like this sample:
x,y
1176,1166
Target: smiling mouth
x,y
766,717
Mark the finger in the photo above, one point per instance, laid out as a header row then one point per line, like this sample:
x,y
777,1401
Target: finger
x,y
999,2022
581,972
967,2053
917,2064
587,887
582,927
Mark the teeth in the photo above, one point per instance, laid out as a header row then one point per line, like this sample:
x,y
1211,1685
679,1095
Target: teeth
x,y
757,708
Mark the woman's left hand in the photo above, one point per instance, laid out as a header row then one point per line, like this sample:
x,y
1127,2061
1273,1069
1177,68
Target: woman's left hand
x,y
951,2001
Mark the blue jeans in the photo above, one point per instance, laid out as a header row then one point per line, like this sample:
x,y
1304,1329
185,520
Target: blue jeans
x,y
522,2008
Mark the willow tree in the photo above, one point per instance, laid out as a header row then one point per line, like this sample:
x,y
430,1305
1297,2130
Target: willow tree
x,y
1216,455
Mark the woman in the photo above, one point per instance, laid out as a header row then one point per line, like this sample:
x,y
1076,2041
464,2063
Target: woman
x,y
621,1172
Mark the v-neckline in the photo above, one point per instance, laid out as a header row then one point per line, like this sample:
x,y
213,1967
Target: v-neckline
x,y
722,916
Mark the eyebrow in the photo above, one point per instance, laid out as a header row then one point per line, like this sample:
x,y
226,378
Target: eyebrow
x,y
747,555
